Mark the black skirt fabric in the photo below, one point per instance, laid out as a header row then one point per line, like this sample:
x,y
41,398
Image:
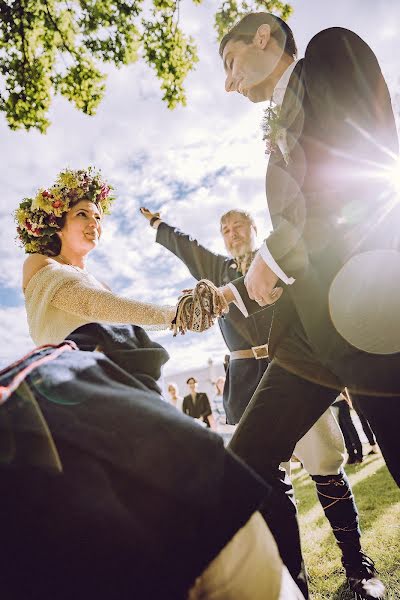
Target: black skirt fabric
x,y
146,498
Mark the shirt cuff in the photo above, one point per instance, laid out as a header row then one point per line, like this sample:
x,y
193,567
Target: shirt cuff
x,y
238,300
273,265
156,224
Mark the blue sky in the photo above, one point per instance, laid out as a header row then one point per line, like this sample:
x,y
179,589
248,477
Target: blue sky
x,y
192,164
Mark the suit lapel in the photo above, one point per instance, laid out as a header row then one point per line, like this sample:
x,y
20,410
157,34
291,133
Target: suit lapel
x,y
293,98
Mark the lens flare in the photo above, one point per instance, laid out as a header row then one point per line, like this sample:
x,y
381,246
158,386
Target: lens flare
x,y
393,175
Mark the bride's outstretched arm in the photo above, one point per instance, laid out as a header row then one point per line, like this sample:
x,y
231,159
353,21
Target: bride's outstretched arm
x,y
89,302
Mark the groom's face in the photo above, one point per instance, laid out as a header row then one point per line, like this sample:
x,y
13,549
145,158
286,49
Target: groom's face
x,y
249,68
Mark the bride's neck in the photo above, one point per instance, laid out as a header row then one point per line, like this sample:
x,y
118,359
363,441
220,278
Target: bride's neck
x,y
70,257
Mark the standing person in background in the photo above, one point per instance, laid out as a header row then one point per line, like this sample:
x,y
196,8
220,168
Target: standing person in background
x,y
197,405
350,433
175,399
218,410
366,428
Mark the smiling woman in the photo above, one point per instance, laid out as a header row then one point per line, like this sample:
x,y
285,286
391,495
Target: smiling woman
x,y
113,480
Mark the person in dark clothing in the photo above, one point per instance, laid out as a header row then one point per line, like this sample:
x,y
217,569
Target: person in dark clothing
x,y
366,428
196,404
330,129
321,450
350,434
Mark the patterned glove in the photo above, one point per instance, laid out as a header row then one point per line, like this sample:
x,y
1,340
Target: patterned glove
x,y
197,309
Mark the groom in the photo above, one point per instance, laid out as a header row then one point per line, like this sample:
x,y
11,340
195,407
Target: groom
x,y
333,250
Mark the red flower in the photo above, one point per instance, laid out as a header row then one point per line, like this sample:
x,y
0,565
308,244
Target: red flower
x,y
56,203
46,194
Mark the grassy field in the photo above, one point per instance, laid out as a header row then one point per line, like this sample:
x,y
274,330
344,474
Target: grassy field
x,y
378,501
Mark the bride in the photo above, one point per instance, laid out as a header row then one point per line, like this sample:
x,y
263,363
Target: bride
x,y
110,492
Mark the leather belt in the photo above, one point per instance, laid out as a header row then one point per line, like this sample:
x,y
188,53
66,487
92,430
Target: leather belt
x,y
256,352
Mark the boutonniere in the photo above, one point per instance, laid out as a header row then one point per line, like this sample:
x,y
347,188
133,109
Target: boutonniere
x,y
274,134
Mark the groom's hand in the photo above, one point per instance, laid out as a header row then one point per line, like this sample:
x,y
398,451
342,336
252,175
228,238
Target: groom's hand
x,y
260,283
150,215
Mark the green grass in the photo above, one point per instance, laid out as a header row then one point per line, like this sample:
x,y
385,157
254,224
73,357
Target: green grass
x,y
378,501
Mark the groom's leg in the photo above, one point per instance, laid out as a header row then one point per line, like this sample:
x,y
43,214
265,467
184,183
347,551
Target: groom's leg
x,y
282,410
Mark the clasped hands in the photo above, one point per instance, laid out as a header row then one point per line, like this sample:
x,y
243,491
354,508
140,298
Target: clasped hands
x,y
197,309
260,282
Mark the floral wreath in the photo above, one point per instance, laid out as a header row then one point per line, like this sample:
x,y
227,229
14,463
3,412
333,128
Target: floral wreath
x,y
273,130
38,218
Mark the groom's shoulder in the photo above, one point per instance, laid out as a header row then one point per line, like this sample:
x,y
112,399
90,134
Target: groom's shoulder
x,y
333,41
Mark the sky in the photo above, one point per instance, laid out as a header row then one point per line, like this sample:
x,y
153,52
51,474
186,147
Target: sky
x,y
191,164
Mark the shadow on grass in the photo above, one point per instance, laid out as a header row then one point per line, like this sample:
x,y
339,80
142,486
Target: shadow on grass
x,y
343,593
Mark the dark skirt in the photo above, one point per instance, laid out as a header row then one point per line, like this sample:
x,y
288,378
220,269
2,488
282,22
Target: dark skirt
x,y
133,499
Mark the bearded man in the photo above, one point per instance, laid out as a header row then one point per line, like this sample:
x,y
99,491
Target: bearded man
x,y
321,450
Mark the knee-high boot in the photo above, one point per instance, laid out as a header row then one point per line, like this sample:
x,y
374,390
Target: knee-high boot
x,y
336,498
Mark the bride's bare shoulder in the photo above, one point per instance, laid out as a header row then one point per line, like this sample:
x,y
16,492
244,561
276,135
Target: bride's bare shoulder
x,y
33,263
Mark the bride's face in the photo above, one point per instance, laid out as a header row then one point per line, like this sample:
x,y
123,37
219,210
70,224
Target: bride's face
x,y
82,228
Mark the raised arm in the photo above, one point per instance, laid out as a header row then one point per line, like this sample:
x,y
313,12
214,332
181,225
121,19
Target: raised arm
x,y
202,263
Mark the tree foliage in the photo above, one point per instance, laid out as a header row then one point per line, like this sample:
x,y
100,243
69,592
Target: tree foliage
x,y
52,47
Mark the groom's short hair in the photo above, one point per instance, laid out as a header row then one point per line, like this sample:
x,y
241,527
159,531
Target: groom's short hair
x,y
247,27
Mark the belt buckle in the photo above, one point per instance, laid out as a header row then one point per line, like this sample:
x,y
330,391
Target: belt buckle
x,y
260,351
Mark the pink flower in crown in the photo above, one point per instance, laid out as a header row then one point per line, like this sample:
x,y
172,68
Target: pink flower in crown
x,y
104,191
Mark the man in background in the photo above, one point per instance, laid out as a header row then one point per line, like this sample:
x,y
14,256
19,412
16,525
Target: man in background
x,y
197,405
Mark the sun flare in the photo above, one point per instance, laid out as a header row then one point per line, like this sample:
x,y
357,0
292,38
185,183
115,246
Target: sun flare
x,y
394,175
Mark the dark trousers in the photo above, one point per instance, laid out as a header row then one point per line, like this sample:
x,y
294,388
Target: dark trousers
x,y
350,433
365,425
283,408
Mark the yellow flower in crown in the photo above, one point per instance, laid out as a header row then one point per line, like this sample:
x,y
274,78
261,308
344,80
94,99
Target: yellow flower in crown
x,y
39,218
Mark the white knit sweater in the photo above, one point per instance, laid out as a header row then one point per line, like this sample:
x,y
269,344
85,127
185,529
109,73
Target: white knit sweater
x,y
60,298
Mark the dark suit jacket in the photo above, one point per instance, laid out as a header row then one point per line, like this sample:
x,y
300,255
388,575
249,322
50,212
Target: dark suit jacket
x,y
198,409
324,204
239,333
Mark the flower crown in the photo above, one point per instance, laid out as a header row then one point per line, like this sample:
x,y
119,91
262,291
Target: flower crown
x,y
38,218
